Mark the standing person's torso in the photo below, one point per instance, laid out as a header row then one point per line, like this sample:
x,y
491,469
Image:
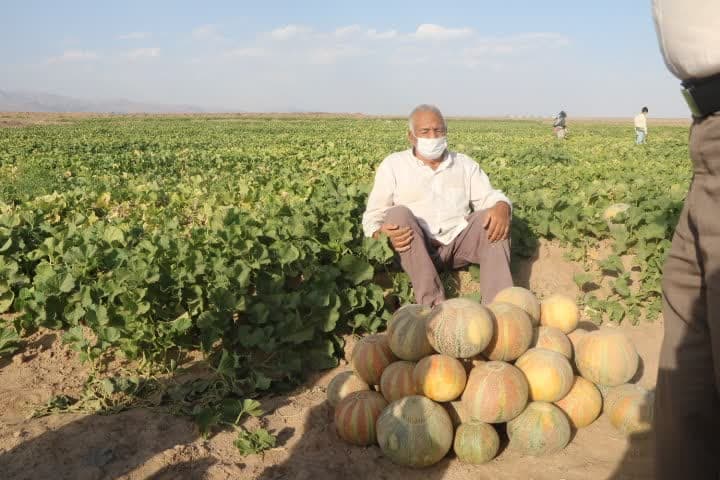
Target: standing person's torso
x,y
640,121
689,36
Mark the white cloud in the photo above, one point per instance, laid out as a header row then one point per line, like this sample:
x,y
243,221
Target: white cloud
x,y
206,32
330,55
432,31
372,33
134,36
245,52
146,52
289,31
347,31
74,56
484,48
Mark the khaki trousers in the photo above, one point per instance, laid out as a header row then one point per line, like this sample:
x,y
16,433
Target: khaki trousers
x,y
423,261
687,401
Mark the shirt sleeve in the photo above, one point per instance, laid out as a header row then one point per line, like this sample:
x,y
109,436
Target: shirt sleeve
x,y
482,194
379,200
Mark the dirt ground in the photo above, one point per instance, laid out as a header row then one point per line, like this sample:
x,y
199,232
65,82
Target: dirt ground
x,y
148,444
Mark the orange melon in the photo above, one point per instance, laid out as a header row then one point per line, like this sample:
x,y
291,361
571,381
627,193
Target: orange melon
x,y
560,311
575,337
472,362
476,442
406,332
630,408
523,298
397,381
512,332
541,429
606,357
439,377
415,432
551,338
356,415
496,392
460,328
342,385
582,404
548,374
370,357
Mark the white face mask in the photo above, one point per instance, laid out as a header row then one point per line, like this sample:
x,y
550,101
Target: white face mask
x,y
431,148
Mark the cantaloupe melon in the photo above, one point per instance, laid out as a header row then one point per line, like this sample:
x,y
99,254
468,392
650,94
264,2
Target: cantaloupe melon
x,y
606,357
630,408
397,381
551,338
342,385
523,298
560,311
460,328
407,334
512,332
356,415
582,404
476,442
574,338
415,432
548,374
440,378
541,429
496,392
370,357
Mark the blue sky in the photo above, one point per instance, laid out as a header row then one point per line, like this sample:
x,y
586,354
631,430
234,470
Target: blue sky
x,y
509,57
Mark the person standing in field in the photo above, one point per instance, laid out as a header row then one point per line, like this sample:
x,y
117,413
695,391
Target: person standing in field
x,y
439,211
559,127
641,130
687,400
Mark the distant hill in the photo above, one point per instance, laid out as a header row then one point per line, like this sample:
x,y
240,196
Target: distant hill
x,y
25,101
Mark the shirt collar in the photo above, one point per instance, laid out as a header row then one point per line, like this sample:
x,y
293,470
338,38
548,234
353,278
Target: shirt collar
x,y
447,163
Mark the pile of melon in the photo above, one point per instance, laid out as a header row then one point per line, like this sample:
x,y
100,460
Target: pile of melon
x,y
447,377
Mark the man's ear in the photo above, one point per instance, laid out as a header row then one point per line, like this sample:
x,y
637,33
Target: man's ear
x,y
410,137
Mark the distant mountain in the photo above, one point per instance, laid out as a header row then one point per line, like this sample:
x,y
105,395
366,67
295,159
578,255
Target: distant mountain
x,y
25,101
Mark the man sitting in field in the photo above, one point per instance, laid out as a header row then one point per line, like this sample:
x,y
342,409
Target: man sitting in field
x,y
422,199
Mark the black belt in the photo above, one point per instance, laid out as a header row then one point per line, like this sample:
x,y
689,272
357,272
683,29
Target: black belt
x,y
703,95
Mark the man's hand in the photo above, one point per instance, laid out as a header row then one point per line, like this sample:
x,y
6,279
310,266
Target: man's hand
x,y
400,237
497,222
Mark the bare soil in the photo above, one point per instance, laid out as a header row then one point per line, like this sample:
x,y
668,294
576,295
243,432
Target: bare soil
x,y
151,444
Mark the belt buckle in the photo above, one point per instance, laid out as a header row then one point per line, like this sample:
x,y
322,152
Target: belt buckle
x,y
690,100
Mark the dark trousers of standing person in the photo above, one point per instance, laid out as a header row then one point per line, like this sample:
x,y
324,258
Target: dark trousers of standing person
x,y
687,401
472,245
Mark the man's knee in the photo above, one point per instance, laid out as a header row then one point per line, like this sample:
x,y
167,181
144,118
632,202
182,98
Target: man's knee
x,y
399,215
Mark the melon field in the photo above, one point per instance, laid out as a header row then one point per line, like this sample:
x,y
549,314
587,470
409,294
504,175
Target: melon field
x,y
177,292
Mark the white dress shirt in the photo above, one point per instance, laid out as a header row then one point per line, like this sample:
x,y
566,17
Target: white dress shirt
x,y
440,199
689,36
641,122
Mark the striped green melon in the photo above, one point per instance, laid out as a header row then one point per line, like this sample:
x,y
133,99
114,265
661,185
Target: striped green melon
x,y
356,415
630,408
496,392
440,378
415,432
606,357
551,338
582,404
370,357
548,373
460,328
541,429
523,298
512,332
476,442
559,311
406,332
397,380
342,385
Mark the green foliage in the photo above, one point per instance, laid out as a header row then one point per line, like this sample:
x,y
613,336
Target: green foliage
x,y
241,238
